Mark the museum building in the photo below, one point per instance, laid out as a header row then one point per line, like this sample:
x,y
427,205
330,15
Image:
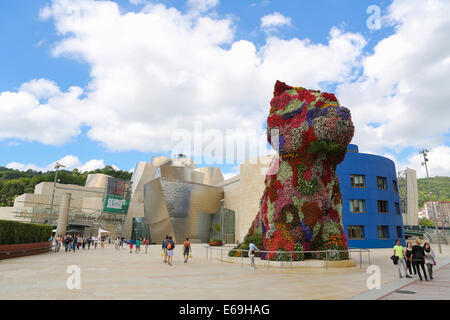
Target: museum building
x,y
370,200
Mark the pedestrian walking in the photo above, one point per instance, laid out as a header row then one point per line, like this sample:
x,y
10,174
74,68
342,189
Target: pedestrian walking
x,y
408,257
131,245
95,243
251,253
164,248
170,246
109,241
84,242
138,245
418,258
116,243
67,243
102,244
429,259
186,250
74,243
79,242
89,241
399,252
146,245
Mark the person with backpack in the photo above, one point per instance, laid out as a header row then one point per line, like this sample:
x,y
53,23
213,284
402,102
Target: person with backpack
x,y
170,247
399,252
164,248
418,257
186,250
429,259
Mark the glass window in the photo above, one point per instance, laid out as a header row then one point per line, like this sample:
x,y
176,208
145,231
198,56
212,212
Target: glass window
x,y
399,232
381,183
357,206
395,185
383,232
397,208
382,206
355,232
357,181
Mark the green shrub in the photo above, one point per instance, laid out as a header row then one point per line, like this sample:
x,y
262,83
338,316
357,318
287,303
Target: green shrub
x,y
12,232
216,240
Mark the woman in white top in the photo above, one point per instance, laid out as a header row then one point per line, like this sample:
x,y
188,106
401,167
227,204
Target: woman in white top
x,y
429,259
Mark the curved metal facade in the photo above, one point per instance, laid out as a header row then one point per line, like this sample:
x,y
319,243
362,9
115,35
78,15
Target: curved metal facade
x,y
180,209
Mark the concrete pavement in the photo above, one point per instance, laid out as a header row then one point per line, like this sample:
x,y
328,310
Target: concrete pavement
x,y
110,274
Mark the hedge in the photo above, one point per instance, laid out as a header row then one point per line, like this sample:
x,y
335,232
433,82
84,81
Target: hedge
x,y
12,232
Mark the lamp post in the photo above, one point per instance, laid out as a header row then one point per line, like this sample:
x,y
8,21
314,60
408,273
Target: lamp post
x,y
424,152
57,166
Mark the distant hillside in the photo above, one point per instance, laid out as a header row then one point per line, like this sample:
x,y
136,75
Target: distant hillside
x,y
438,184
15,182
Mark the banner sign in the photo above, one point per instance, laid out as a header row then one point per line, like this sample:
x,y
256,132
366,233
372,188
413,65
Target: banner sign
x,y
116,204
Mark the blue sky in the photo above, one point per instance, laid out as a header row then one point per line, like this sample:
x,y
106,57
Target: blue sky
x,y
28,41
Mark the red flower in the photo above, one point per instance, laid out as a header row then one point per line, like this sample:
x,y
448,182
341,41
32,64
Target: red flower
x,y
329,96
280,87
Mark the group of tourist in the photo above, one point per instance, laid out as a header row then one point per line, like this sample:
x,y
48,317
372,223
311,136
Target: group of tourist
x,y
168,245
414,258
73,242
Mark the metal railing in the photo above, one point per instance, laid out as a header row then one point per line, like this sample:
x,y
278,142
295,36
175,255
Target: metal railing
x,y
329,254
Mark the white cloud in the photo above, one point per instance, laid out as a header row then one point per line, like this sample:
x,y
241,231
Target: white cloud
x,y
70,162
137,2
274,20
160,70
23,116
202,5
401,99
438,164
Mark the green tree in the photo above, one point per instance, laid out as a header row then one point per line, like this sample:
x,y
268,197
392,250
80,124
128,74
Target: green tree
x,y
424,222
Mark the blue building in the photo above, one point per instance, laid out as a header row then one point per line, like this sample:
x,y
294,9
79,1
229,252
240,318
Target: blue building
x,y
370,200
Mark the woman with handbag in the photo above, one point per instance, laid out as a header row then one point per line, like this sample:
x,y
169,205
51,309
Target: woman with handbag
x,y
429,259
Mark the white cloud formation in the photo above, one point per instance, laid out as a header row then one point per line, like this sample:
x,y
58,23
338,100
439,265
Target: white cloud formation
x,y
274,20
202,5
70,162
438,164
24,116
160,70
401,99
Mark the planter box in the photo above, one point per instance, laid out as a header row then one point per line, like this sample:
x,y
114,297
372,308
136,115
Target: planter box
x,y
24,249
216,243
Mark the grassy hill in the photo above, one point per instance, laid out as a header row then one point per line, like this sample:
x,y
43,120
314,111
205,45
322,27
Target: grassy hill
x,y
15,182
438,184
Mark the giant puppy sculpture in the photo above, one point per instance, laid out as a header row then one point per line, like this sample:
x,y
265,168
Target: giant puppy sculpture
x,y
301,208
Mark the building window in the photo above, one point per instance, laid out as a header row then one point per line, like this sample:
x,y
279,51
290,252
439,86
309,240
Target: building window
x,y
399,232
382,206
358,181
383,232
357,206
397,208
355,232
395,185
381,183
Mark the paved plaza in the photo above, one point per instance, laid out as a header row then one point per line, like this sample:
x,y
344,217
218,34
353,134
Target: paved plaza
x,y
111,274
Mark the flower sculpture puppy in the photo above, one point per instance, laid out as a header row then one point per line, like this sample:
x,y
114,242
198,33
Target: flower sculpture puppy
x,y
301,208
